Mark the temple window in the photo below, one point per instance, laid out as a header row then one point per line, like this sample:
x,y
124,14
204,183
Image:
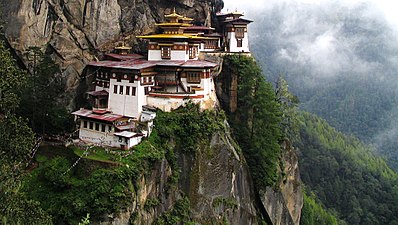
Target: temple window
x,y
91,125
85,124
103,127
165,52
240,32
115,89
192,52
239,42
97,126
133,90
127,90
121,90
193,77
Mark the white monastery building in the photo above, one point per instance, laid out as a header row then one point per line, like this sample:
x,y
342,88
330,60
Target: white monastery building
x,y
129,88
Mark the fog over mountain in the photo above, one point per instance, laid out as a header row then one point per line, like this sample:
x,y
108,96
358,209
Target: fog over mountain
x,y
341,59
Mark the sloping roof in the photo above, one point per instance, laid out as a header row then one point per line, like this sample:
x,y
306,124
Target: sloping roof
x,y
128,134
123,57
86,113
242,20
98,93
141,64
198,63
128,64
198,28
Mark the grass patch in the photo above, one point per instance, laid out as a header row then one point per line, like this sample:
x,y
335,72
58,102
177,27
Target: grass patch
x,y
95,153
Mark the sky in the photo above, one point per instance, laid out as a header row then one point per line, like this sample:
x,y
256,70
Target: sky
x,y
388,7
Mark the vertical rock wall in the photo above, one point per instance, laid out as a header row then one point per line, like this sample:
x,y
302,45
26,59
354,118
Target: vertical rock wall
x,y
215,179
283,204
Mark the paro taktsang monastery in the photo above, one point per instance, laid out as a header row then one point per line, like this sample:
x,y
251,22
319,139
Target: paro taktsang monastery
x,y
128,88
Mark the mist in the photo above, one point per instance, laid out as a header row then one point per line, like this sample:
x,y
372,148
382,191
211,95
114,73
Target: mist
x,y
340,59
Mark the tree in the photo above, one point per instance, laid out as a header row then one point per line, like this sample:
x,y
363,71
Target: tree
x,y
40,98
16,142
256,122
288,105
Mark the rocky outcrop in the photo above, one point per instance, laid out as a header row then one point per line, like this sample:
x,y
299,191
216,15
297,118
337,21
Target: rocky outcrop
x,y
76,31
220,186
284,203
215,179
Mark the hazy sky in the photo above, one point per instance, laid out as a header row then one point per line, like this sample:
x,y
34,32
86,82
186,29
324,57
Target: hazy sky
x,y
388,7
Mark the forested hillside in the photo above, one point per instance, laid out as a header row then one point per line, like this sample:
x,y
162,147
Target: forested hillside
x,y
339,59
346,175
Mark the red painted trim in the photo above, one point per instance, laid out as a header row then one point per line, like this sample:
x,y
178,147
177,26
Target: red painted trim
x,y
175,96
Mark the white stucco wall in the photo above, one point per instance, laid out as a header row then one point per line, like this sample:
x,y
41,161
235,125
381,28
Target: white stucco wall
x,y
179,55
127,105
154,55
233,43
96,137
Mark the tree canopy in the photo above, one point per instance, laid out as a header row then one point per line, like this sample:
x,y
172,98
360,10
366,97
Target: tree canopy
x,y
256,122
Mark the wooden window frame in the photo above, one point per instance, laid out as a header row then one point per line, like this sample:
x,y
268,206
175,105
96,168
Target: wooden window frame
x,y
127,90
194,77
133,91
240,32
165,52
239,43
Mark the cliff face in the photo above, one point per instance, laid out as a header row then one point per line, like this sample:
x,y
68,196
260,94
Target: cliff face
x,y
282,203
215,179
74,31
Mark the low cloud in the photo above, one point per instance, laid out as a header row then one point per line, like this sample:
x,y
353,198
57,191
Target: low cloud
x,y
333,52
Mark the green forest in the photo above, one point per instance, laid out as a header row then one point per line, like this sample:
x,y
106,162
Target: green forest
x,y
346,175
347,182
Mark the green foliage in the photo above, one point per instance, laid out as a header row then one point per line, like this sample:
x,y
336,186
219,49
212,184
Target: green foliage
x,y
345,174
16,142
180,214
12,81
256,122
40,98
150,203
226,202
313,213
188,125
67,197
85,220
288,105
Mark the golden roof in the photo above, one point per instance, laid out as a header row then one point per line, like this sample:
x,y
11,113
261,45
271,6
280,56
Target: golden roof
x,y
172,36
174,24
174,15
123,47
187,18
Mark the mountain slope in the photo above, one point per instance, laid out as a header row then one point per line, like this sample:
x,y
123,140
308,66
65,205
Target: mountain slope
x,y
346,175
